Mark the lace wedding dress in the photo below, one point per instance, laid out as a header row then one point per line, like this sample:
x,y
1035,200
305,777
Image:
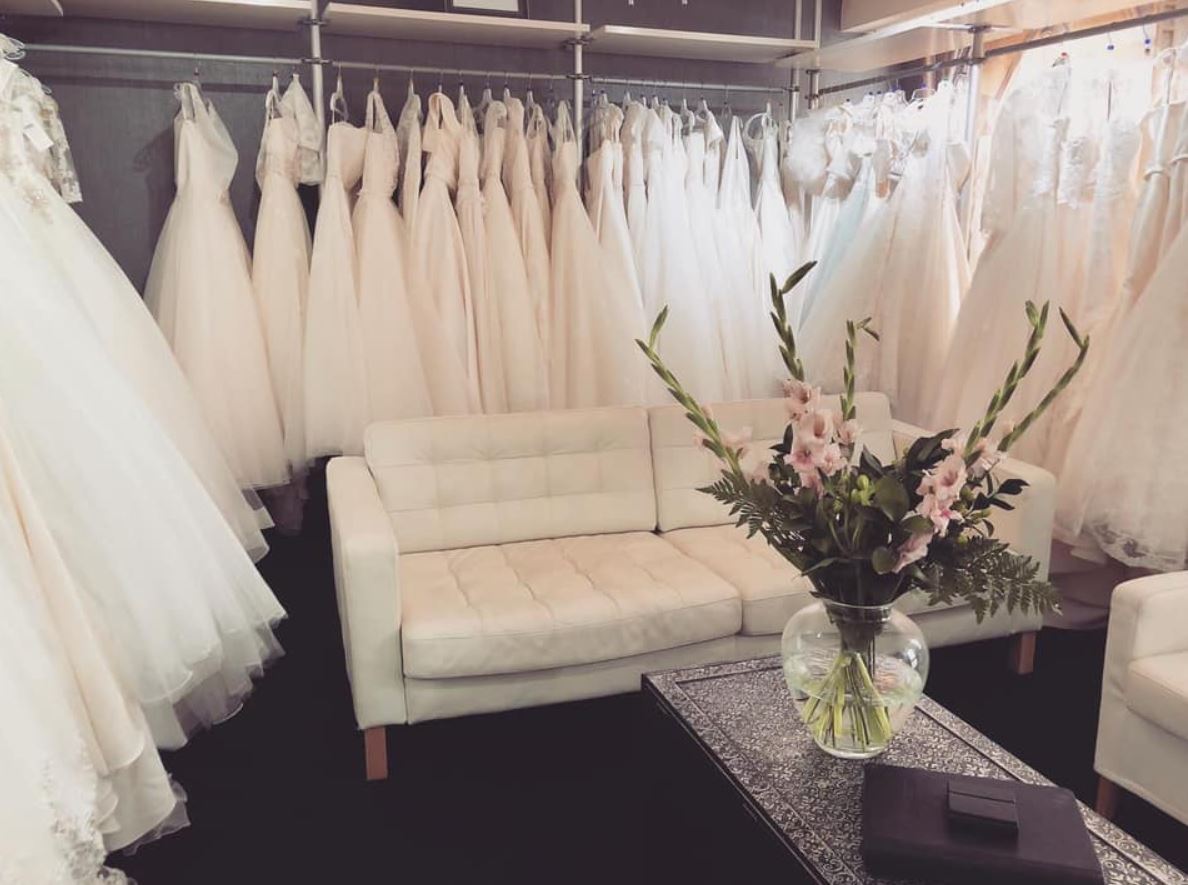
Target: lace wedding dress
x,y
529,226
782,244
200,291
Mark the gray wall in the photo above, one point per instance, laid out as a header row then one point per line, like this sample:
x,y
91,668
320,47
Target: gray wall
x,y
118,112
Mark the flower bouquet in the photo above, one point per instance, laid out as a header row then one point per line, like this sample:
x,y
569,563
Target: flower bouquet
x,y
864,532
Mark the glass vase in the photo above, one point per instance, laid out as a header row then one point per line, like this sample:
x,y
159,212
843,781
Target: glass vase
x,y
856,672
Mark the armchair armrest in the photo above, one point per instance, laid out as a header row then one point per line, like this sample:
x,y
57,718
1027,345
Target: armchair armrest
x,y
1147,617
1027,528
367,584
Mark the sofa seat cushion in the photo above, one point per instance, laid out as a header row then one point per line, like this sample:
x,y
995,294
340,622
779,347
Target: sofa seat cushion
x,y
1157,690
771,588
535,605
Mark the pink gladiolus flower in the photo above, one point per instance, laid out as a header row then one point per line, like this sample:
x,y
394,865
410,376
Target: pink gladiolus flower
x,y
802,398
848,432
811,479
829,459
940,514
912,550
946,480
802,459
815,428
760,473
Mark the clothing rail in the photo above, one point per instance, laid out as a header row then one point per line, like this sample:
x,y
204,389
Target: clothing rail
x,y
1079,34
677,84
442,71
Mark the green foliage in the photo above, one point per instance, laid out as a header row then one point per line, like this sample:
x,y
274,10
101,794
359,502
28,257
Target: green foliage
x,y
983,572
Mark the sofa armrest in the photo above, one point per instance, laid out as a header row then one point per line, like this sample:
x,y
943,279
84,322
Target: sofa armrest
x,y
367,584
1147,617
1027,528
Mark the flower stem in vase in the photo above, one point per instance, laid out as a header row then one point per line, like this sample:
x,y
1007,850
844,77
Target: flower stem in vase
x,y
845,713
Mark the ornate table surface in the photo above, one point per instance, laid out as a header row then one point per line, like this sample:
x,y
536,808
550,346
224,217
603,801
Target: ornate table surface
x,y
743,718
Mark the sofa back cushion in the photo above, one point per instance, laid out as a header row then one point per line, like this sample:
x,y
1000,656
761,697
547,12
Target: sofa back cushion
x,y
492,479
682,467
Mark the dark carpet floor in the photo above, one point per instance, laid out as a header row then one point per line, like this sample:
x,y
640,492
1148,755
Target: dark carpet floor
x,y
595,791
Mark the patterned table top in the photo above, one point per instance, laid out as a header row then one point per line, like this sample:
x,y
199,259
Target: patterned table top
x,y
743,716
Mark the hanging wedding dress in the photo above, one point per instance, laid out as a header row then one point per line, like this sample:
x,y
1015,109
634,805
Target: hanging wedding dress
x,y
749,286
102,294
914,248
594,360
396,382
200,291
488,329
533,235
782,244
525,372
1039,258
537,141
438,256
280,269
701,188
188,612
635,194
839,176
408,139
670,273
336,397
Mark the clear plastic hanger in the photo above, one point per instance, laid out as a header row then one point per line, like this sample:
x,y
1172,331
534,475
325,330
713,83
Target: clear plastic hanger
x,y
11,49
338,105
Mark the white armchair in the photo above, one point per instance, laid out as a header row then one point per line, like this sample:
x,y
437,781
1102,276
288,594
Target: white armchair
x,y
1142,733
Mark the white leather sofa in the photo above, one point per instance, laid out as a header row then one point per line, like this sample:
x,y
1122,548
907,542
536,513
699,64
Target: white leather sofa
x,y
1142,733
492,562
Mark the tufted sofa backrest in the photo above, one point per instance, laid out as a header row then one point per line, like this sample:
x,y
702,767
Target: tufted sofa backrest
x,y
493,479
681,466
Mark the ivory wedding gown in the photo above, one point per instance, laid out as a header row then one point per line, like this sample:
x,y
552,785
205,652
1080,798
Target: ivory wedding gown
x,y
438,255
670,275
337,404
537,140
100,292
488,328
200,291
915,249
408,139
525,371
280,270
533,235
594,361
397,386
635,177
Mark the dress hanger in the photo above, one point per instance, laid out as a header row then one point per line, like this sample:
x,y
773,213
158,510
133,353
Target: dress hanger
x,y
11,49
338,105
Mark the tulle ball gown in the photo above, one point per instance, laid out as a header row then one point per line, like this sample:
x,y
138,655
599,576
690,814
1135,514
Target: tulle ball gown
x,y
200,291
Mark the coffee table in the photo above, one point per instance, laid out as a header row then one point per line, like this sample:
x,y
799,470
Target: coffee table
x,y
742,717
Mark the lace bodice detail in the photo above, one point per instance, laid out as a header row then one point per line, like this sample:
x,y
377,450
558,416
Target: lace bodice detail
x,y
631,134
495,137
34,153
565,154
469,149
381,166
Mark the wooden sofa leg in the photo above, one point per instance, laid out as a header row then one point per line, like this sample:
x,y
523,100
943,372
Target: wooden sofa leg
x,y
1022,659
1108,794
375,749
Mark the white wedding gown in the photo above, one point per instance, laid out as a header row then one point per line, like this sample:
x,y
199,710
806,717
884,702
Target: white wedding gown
x,y
408,139
525,371
280,266
100,292
594,360
397,386
670,275
914,248
781,243
488,327
539,154
200,291
337,405
635,177
438,257
749,285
